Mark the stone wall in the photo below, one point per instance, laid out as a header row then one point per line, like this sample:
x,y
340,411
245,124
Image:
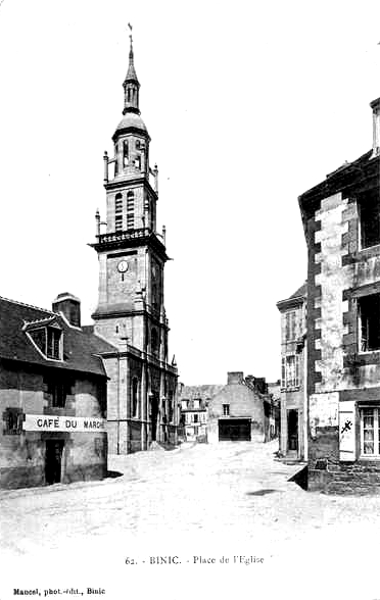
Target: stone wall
x,y
22,454
341,377
243,402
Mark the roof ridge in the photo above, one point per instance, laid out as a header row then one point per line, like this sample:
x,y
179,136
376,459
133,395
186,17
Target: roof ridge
x,y
29,305
53,316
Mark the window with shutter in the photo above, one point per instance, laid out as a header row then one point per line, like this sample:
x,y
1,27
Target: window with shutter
x,y
290,326
283,373
290,372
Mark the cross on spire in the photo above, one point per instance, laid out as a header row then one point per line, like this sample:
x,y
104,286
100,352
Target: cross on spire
x,y
131,84
130,35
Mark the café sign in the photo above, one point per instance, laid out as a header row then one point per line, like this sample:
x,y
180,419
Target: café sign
x,y
62,423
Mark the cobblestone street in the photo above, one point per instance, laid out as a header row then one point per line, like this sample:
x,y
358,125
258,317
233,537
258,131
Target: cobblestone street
x,y
196,503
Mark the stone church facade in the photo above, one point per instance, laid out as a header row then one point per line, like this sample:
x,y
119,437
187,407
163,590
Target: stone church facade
x,y
130,314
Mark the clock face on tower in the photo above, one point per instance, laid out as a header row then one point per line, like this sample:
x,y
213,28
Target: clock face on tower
x,y
122,266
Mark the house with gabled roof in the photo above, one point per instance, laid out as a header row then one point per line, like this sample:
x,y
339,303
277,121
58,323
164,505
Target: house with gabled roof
x,y
341,219
52,395
193,403
242,410
293,430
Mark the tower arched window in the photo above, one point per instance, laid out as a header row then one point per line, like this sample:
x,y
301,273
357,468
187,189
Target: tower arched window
x,y
130,210
118,212
147,211
135,397
154,342
125,153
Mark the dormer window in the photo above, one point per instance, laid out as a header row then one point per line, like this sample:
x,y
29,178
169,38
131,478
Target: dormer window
x,y
48,339
53,343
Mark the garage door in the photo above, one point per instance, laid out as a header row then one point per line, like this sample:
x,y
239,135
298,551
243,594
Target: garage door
x,y
234,430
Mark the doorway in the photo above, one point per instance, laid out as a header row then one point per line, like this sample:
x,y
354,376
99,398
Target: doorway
x,y
154,401
53,461
293,430
234,430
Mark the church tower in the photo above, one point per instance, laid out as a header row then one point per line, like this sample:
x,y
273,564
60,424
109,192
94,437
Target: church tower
x,y
130,312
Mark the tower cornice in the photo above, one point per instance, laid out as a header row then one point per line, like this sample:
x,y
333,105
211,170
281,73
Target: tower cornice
x,y
130,239
130,129
117,184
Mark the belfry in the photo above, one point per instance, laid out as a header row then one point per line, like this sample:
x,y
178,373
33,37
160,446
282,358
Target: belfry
x,y
130,313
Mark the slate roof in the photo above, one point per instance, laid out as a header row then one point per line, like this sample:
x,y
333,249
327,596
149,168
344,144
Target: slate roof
x,y
81,347
131,120
294,299
302,291
348,177
131,73
202,392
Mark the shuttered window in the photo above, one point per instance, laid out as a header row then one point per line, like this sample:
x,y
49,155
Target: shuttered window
x,y
290,372
290,325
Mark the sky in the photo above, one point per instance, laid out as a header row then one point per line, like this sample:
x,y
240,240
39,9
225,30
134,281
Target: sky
x,y
248,105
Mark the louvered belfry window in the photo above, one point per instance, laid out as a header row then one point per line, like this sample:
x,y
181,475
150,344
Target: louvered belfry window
x,y
130,210
118,212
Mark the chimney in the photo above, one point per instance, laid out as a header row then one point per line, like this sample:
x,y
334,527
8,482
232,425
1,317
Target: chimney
x,y
234,377
375,105
69,305
250,380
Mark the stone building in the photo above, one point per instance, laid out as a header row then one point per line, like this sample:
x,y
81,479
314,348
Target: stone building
x,y
241,411
52,396
293,437
193,402
341,218
130,313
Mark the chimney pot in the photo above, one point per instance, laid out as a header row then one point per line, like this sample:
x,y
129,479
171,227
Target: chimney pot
x,y
235,377
69,305
375,105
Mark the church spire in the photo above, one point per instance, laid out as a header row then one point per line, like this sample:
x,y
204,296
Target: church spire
x,y
131,83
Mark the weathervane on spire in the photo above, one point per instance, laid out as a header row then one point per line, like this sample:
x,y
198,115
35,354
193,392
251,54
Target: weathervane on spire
x,y
130,35
131,84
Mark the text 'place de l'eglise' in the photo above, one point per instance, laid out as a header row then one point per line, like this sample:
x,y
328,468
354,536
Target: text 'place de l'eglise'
x,y
72,394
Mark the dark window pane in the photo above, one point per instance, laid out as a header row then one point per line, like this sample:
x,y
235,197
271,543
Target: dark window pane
x,y
369,309
370,220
